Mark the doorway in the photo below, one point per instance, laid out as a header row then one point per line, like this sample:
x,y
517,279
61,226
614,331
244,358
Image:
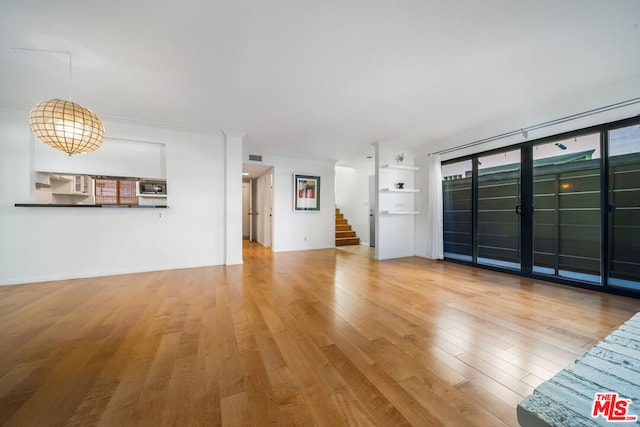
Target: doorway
x,y
263,215
247,210
372,209
257,204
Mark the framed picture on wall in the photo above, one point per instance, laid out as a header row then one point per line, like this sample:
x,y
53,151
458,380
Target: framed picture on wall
x,y
306,193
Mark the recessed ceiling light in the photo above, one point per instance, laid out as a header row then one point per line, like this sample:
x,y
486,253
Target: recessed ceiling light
x,y
245,173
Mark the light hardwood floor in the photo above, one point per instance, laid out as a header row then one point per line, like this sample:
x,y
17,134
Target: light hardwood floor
x,y
323,337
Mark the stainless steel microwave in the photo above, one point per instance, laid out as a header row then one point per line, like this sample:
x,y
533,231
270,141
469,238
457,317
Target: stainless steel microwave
x,y
152,188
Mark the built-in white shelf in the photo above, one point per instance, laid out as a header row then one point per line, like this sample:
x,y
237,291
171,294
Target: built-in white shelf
x,y
156,196
70,195
401,190
400,212
400,167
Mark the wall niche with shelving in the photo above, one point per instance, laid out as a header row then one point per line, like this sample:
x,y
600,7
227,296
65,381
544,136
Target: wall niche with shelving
x,y
397,188
395,202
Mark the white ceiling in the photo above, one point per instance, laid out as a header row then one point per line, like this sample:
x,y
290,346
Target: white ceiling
x,y
326,78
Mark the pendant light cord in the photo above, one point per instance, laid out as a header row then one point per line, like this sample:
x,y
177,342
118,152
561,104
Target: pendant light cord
x,y
70,80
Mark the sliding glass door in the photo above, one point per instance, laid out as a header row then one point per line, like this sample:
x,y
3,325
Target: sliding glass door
x,y
498,212
566,222
624,207
458,210
565,208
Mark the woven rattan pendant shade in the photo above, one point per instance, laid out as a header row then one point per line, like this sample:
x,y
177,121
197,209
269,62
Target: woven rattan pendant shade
x,y
66,126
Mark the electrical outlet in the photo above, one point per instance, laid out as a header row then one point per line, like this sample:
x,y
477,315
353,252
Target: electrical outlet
x,y
160,214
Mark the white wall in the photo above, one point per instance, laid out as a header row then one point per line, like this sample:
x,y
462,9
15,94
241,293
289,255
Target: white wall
x,y
39,244
293,231
352,196
116,157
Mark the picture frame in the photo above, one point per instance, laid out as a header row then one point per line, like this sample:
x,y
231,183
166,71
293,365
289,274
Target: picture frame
x,y
306,193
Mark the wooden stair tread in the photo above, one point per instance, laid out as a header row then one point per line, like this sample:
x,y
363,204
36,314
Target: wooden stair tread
x,y
345,236
347,241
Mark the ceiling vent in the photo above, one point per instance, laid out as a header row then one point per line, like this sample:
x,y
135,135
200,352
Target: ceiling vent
x,y
255,157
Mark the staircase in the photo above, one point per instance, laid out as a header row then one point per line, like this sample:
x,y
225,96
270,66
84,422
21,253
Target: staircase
x,y
344,235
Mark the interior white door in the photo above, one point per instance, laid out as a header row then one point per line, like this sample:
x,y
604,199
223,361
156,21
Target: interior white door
x,y
264,210
268,217
246,210
372,207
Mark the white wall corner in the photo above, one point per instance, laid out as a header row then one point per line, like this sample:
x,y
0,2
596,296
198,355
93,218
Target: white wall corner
x,y
234,134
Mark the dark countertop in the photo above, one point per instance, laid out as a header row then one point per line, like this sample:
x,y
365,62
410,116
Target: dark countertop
x,y
51,205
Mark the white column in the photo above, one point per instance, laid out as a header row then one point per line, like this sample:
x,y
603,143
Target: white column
x,y
233,196
376,211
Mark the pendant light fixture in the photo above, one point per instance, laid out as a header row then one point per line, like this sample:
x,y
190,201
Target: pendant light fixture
x,y
65,125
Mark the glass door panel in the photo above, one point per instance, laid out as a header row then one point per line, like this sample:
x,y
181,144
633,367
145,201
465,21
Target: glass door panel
x,y
624,207
566,198
498,233
458,210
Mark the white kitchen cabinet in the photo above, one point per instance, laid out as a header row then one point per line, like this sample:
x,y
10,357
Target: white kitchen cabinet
x,y
71,185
